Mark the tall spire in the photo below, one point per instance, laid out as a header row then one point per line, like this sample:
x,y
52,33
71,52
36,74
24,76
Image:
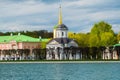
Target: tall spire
x,y
60,15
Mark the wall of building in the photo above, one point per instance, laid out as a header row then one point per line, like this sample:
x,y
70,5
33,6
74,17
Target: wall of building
x,y
17,45
61,34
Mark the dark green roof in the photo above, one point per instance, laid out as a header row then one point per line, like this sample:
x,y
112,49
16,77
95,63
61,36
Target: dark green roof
x,y
20,38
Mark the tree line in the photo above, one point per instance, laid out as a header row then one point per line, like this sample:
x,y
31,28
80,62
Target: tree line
x,y
101,34
35,34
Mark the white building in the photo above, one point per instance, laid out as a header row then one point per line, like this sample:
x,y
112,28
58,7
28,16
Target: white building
x,y
56,47
111,53
107,54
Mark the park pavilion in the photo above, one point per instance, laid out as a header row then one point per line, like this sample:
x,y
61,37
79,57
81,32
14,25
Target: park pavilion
x,y
61,47
112,52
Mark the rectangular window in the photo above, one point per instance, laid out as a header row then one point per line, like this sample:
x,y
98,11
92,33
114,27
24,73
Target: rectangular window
x,y
62,33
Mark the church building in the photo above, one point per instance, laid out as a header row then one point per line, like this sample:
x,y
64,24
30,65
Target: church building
x,y
56,47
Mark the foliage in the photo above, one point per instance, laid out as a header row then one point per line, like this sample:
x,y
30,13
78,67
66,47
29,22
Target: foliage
x,y
35,34
81,38
101,27
94,40
107,39
43,45
102,35
118,37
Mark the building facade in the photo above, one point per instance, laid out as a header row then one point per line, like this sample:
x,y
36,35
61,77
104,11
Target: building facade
x,y
18,47
112,53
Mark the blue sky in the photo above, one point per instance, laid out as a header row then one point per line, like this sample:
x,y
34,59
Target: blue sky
x,y
78,15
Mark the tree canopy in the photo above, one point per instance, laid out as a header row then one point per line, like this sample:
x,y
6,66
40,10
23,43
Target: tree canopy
x,y
81,38
101,35
101,27
35,34
104,35
118,37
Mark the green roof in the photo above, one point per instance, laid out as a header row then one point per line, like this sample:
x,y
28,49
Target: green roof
x,y
116,45
45,40
55,26
20,38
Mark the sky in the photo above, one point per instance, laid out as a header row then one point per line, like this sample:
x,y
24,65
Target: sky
x,y
78,15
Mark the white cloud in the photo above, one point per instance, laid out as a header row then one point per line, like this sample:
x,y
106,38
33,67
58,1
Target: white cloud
x,y
79,15
116,27
17,27
24,8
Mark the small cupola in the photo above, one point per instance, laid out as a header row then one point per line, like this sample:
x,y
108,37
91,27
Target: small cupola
x,y
62,27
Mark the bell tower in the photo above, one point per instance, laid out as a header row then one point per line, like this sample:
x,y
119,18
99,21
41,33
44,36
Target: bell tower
x,y
60,31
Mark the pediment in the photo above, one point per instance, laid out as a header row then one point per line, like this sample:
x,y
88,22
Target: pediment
x,y
73,43
53,42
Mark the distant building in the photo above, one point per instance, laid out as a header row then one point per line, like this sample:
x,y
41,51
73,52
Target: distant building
x,y
18,47
112,53
107,54
116,51
60,41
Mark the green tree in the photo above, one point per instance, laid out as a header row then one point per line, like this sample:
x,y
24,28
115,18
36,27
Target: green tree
x,y
102,35
43,45
118,37
81,38
94,40
101,27
107,39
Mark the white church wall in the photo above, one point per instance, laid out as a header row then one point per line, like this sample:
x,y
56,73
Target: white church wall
x,y
60,32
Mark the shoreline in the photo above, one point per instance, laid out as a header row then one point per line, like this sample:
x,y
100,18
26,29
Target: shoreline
x,y
67,62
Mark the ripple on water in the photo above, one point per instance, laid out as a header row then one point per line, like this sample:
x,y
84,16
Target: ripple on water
x,y
84,71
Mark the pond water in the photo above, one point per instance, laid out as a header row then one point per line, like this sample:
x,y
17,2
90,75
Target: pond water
x,y
60,71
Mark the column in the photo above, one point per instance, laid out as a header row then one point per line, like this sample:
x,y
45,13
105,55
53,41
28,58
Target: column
x,y
70,56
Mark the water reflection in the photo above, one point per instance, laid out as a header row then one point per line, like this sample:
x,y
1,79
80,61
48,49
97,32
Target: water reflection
x,y
110,71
